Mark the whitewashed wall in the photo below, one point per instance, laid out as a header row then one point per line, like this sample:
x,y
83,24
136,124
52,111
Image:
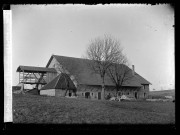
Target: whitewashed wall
x,y
55,64
82,89
60,92
49,92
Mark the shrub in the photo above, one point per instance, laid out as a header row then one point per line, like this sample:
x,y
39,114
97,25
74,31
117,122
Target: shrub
x,y
156,97
108,97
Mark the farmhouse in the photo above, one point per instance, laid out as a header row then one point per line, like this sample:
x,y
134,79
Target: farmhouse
x,y
84,82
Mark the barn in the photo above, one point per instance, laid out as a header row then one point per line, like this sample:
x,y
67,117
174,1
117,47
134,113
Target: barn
x,y
88,84
82,81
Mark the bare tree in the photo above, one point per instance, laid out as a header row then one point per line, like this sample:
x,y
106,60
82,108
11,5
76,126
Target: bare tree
x,y
119,72
103,52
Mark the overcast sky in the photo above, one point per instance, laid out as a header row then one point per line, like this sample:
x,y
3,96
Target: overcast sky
x,y
146,32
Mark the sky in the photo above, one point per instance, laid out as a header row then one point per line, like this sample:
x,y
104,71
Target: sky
x,y
145,32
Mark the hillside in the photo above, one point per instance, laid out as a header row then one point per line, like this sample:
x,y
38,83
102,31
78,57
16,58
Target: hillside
x,y
43,109
163,93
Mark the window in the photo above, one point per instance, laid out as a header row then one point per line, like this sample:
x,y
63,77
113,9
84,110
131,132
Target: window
x,y
92,94
144,86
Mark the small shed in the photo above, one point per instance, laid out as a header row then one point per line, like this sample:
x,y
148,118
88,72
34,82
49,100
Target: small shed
x,y
16,88
61,85
33,91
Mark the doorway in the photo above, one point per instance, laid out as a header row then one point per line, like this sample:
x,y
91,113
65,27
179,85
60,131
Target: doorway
x,y
70,94
87,95
99,95
135,94
144,95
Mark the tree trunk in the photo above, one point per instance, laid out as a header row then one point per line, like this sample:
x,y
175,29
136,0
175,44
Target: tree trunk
x,y
103,86
22,88
117,90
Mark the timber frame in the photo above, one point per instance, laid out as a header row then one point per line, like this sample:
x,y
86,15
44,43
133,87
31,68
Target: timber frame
x,y
33,75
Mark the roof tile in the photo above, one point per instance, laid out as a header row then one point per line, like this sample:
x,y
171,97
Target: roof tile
x,y
86,75
62,81
34,69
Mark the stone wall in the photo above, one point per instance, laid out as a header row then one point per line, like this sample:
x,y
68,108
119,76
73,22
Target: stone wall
x,y
143,93
82,90
94,90
61,93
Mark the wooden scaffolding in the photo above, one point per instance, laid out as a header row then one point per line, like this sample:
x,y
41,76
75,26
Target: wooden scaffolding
x,y
34,75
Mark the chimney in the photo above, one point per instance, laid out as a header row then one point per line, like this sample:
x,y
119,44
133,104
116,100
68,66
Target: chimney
x,y
133,70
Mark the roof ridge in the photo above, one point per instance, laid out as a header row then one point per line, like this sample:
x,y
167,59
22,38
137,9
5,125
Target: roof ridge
x,y
71,57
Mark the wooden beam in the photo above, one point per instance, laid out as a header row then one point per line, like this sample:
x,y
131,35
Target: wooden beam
x,y
36,77
30,77
43,77
19,77
37,81
34,83
23,79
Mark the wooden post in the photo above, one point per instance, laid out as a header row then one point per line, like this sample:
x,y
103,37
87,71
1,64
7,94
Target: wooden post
x,y
30,77
19,77
23,83
26,78
23,75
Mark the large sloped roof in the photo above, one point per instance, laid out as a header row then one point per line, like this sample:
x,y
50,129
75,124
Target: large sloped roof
x,y
35,69
62,81
86,75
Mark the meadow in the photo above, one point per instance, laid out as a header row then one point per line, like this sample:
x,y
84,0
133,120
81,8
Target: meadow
x,y
54,110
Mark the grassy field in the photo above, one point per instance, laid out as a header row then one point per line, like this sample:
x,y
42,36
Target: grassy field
x,y
42,109
163,93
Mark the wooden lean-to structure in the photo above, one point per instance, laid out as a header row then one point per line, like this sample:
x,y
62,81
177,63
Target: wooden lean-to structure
x,y
34,75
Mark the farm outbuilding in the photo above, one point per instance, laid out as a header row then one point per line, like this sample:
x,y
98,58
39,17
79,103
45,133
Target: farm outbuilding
x,y
61,85
64,76
36,77
88,84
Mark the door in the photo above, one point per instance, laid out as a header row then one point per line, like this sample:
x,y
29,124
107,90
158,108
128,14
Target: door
x,y
87,95
135,94
99,95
